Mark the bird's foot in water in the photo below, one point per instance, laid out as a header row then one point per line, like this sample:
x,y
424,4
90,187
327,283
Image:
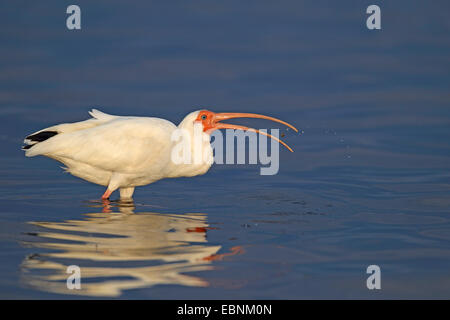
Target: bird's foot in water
x,y
106,206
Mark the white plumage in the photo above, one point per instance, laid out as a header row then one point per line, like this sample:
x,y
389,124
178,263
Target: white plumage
x,y
125,152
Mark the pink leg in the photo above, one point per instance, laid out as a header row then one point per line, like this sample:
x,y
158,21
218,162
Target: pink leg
x,y
106,194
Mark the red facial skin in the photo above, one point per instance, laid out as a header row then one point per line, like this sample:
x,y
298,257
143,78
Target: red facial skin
x,y
208,120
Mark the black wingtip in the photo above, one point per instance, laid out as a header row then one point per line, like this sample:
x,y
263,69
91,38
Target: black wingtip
x,y
27,147
41,136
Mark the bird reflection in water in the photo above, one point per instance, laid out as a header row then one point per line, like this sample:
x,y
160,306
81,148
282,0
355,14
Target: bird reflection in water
x,y
120,251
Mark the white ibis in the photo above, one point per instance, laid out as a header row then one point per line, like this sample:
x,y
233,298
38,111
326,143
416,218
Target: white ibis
x,y
127,152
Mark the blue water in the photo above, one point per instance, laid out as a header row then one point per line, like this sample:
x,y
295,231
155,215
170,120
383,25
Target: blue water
x,y
368,183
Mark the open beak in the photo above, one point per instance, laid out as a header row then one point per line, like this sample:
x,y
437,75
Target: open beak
x,y
225,116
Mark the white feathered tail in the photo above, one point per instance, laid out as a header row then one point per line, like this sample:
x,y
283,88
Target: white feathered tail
x,y
33,142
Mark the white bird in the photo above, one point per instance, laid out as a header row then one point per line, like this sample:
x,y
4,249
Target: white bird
x,y
126,152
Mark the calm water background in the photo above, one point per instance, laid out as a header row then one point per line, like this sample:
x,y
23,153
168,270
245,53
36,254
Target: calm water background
x,y
368,183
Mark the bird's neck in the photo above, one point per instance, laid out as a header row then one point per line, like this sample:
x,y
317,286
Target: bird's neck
x,y
191,152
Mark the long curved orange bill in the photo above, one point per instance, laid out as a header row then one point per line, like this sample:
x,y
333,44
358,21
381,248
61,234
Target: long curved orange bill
x,y
231,115
233,126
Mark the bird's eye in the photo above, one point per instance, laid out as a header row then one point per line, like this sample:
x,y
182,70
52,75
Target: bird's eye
x,y
204,117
